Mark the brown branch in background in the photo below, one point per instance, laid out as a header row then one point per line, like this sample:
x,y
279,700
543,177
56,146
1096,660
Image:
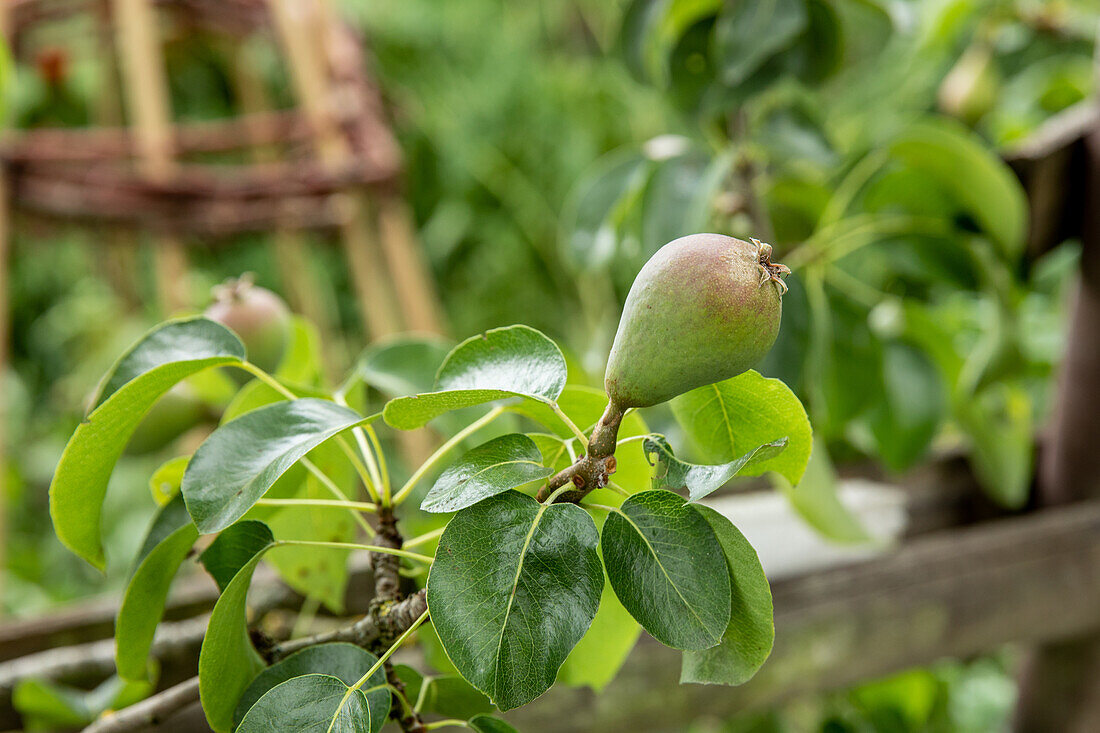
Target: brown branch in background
x,y
151,711
746,173
409,720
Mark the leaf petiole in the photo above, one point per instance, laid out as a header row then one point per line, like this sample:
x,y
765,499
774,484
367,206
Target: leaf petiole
x,y
458,437
570,424
352,546
424,538
452,723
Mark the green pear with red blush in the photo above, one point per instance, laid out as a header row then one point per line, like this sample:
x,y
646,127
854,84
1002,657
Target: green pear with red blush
x,y
703,309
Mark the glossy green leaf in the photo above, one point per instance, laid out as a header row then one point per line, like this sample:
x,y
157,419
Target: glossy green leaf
x,y
701,481
168,544
517,361
666,566
729,418
817,500
227,660
403,365
165,482
503,463
751,632
600,654
748,33
514,587
162,358
985,187
243,458
310,704
489,724
599,208
233,549
346,662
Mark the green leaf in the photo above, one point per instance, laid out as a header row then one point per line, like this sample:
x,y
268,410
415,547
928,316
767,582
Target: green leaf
x,y
243,458
167,520
162,358
302,360
489,724
751,632
584,406
598,656
904,423
816,500
175,342
447,695
317,572
517,361
310,704
985,187
233,549
666,566
999,423
701,481
749,33
346,662
165,482
729,418
503,463
47,705
257,394
403,365
514,586
168,544
227,660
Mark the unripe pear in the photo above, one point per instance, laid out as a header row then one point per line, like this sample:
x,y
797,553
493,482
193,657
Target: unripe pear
x,y
258,316
705,308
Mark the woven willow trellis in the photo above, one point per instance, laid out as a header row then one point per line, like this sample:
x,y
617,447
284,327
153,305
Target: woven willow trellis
x,y
330,163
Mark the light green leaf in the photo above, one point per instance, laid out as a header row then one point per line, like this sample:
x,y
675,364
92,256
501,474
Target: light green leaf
x,y
165,482
584,406
227,660
999,423
165,356
503,463
166,547
310,704
701,481
346,662
600,654
751,632
257,394
748,33
47,705
666,566
729,418
985,187
489,724
317,572
816,500
517,361
243,458
514,587
404,365
301,362
447,695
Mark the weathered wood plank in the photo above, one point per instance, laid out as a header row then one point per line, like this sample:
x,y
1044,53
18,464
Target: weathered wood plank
x,y
1027,579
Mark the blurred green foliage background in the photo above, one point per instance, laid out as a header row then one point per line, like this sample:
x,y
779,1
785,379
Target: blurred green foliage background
x,y
551,147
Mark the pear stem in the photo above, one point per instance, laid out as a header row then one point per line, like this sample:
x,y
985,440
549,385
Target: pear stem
x,y
593,469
